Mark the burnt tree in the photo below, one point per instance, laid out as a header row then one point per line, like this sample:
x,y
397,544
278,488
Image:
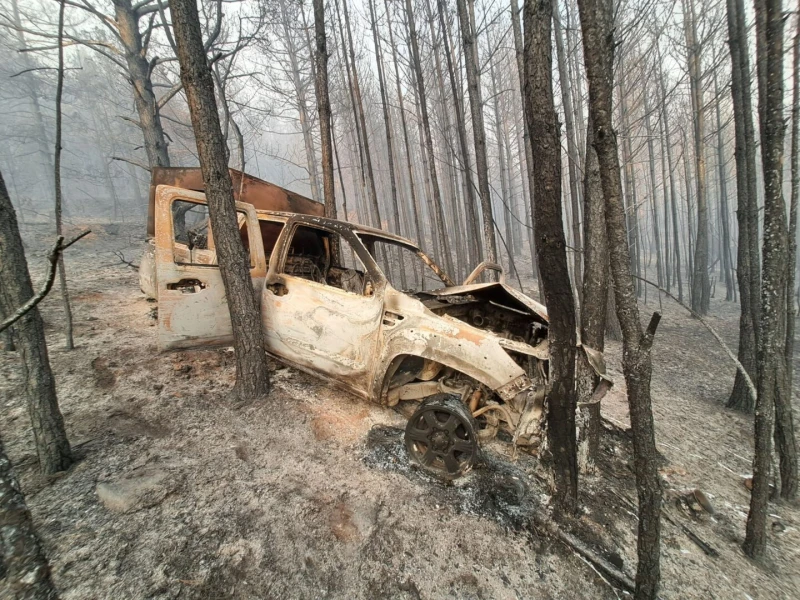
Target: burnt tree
x,y
50,436
252,376
324,108
551,246
598,43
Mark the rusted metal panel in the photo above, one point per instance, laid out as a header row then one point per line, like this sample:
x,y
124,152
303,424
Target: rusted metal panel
x,y
261,194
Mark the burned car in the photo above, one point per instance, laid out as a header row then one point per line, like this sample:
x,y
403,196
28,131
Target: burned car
x,y
370,312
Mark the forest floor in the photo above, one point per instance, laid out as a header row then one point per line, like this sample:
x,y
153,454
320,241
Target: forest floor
x,y
179,492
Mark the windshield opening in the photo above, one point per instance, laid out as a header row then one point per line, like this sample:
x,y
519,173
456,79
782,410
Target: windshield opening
x,y
406,267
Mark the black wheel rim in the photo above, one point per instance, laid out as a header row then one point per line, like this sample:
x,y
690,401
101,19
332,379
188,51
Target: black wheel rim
x,y
441,440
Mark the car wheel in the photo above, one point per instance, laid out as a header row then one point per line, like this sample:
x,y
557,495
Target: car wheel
x,y
441,437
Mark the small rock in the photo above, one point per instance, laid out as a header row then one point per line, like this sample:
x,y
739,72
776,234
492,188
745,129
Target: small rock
x,y
136,492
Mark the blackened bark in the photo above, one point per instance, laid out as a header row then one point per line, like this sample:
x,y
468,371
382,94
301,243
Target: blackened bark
x,y
769,27
725,247
598,42
428,137
324,108
252,376
551,247
140,78
701,288
572,154
52,446
593,314
27,572
478,129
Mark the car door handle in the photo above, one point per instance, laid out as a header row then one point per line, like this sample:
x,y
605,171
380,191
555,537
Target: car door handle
x,y
279,289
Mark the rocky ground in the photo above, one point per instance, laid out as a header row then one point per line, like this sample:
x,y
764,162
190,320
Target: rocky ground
x,y
180,492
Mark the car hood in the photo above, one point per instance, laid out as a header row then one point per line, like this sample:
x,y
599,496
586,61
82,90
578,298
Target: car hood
x,y
495,292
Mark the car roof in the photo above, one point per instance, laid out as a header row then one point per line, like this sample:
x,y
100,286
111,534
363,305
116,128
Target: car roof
x,y
335,224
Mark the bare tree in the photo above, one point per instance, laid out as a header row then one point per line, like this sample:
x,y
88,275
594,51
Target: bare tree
x,y
542,120
62,272
252,376
769,49
52,446
324,108
478,129
598,43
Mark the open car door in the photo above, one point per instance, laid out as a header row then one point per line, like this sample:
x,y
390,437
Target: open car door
x,y
192,309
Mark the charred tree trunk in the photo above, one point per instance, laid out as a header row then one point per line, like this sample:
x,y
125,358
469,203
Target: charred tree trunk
x,y
598,42
27,572
701,288
748,271
528,152
52,446
252,376
139,76
651,159
428,137
324,108
769,27
416,210
478,129
466,164
593,314
551,247
723,201
572,154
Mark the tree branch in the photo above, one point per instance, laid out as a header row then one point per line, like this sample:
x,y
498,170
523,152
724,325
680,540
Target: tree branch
x,y
58,248
135,163
739,367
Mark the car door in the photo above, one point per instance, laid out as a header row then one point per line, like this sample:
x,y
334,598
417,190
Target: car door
x,y
192,309
322,313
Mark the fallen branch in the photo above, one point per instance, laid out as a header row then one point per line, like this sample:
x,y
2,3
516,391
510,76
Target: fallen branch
x,y
58,248
609,571
739,367
121,258
701,543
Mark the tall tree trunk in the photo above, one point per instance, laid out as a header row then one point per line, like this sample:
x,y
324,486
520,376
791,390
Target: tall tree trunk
x,y
69,343
27,573
519,54
300,92
52,446
723,200
651,159
139,76
598,42
748,271
769,28
572,154
373,194
324,108
466,169
387,121
416,209
252,376
784,430
701,288
593,314
478,129
542,119
428,137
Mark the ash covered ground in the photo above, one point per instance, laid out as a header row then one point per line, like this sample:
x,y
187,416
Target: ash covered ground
x,y
180,492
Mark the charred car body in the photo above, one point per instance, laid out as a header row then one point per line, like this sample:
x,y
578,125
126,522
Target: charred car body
x,y
368,311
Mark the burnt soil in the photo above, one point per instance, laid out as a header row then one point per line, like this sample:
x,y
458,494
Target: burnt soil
x,y
309,494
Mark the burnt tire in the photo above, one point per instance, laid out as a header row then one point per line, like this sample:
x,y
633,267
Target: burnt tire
x,y
441,437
